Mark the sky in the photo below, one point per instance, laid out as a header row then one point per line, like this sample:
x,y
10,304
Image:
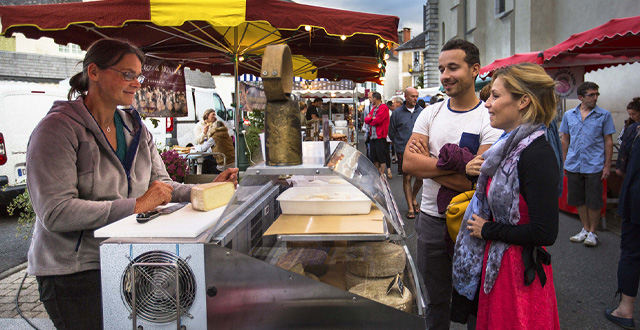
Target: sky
x,y
409,11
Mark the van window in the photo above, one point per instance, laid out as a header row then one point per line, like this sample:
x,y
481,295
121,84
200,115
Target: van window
x,y
218,105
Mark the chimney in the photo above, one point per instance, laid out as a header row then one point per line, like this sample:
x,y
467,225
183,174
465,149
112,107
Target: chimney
x,y
406,34
404,37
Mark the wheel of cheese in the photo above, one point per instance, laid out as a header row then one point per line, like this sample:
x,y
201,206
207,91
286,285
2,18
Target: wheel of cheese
x,y
376,259
353,280
312,260
378,292
293,266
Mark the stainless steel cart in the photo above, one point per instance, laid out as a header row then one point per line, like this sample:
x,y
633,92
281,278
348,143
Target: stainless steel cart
x,y
227,278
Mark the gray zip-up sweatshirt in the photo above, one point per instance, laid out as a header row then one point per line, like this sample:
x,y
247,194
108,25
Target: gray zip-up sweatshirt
x,y
77,184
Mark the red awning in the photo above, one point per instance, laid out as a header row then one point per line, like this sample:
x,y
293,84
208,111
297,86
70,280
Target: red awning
x,y
200,34
534,57
590,62
618,37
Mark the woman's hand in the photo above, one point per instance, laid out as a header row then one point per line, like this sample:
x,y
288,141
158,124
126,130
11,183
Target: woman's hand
x,y
229,175
206,128
475,226
473,166
159,193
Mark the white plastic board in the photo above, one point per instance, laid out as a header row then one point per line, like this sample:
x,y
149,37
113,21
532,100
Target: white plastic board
x,y
186,222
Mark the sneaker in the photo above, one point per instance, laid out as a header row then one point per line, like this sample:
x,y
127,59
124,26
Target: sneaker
x,y
579,237
591,240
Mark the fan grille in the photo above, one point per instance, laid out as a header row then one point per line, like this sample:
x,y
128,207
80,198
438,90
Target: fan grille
x,y
156,286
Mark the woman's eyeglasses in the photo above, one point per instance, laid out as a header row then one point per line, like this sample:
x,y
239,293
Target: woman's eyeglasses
x,y
129,76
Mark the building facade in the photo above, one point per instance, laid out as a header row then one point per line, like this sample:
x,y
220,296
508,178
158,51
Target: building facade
x,y
501,28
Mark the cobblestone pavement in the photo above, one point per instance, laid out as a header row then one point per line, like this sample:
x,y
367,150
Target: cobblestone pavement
x,y
29,302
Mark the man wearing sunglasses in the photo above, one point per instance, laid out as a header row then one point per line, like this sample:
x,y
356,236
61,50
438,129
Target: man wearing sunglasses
x,y
587,148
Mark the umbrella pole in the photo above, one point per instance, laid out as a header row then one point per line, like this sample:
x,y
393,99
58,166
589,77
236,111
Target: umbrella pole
x,y
241,147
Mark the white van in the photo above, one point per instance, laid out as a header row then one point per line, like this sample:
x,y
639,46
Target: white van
x,y
198,100
21,109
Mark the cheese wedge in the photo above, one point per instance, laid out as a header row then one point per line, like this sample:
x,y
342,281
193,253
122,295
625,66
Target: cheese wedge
x,y
209,196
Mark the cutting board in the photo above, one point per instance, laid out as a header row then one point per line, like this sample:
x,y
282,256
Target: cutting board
x,y
186,222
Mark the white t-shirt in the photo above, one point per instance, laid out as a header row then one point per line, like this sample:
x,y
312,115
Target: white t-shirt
x,y
442,125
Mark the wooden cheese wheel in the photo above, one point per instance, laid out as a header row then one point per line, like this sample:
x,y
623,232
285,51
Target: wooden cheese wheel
x,y
378,292
376,259
353,280
312,260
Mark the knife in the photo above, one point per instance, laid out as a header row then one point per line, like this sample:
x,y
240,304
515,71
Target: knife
x,y
146,216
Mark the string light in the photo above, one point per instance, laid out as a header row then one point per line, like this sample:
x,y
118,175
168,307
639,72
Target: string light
x,y
386,56
241,58
379,65
381,45
343,37
307,27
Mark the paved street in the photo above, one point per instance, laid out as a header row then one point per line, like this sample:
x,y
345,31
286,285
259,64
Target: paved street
x,y
14,249
585,278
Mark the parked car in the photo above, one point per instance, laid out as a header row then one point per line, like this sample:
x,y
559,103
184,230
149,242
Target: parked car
x,y
21,109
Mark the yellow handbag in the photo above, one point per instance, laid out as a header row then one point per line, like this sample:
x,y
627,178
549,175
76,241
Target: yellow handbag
x,y
455,212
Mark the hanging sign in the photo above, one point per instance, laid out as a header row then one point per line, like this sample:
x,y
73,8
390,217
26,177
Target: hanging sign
x,y
163,92
251,97
567,81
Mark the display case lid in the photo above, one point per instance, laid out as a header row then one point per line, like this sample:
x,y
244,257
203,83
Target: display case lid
x,y
350,164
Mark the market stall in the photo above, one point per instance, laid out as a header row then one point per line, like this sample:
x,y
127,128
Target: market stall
x,y
302,243
303,246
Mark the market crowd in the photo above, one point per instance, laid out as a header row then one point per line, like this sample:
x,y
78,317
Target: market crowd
x,y
494,274
507,146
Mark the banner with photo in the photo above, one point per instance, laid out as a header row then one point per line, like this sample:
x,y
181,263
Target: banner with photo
x,y
251,97
163,92
567,81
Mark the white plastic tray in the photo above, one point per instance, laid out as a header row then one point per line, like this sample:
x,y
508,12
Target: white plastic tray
x,y
324,200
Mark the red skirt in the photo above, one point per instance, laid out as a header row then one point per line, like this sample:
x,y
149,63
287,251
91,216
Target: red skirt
x,y
512,305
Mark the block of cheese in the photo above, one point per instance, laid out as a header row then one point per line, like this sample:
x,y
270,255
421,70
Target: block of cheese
x,y
378,292
209,196
313,260
376,259
353,280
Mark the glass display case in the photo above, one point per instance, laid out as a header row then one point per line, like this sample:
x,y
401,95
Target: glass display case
x,y
338,225
298,247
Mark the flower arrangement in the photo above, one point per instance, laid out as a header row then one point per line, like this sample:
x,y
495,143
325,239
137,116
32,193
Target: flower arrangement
x,y
177,167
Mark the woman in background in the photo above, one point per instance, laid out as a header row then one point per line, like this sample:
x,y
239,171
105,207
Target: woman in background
x,y
627,135
633,109
629,209
499,254
224,144
204,128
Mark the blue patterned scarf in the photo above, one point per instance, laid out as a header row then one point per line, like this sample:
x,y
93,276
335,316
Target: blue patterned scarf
x,y
501,164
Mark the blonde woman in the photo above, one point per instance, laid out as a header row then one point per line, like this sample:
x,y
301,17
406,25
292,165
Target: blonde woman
x,y
499,254
204,128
